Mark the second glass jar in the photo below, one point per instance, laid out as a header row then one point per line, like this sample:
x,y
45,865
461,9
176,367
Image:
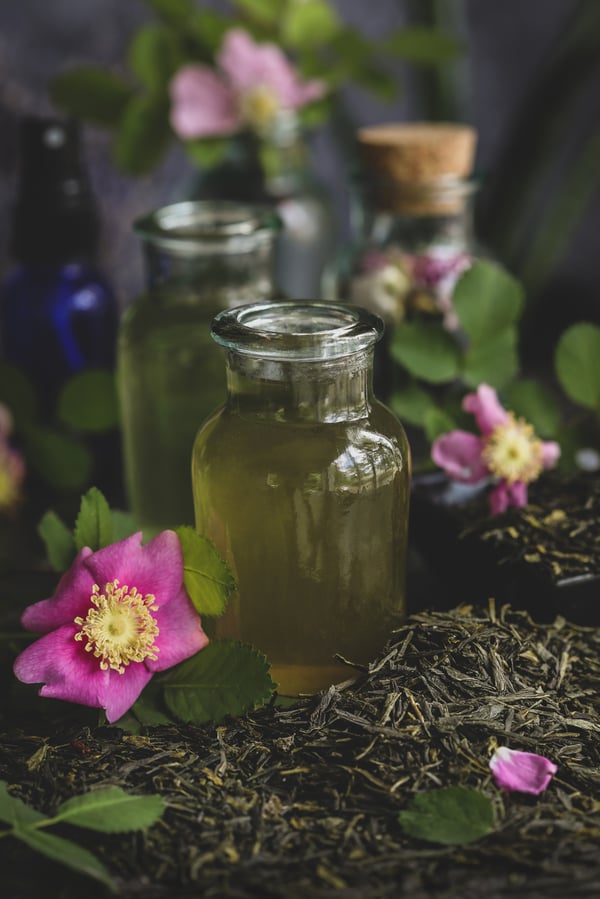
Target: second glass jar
x,y
201,257
302,481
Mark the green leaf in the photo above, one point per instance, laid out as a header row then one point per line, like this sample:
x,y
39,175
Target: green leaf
x,y
155,55
494,361
427,351
265,12
577,364
15,812
58,540
149,710
437,422
123,524
91,94
206,576
66,853
18,394
173,12
426,46
209,27
225,678
450,815
143,134
411,403
207,153
60,460
93,527
305,24
533,401
487,300
110,810
88,401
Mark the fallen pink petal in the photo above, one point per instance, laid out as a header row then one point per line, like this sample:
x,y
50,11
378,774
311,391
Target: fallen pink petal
x,y
521,772
118,616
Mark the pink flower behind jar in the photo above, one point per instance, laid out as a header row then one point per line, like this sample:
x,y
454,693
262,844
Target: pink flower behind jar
x,y
12,465
252,84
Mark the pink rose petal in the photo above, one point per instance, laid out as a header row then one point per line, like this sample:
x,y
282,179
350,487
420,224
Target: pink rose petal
x,y
459,454
202,104
550,453
522,772
486,408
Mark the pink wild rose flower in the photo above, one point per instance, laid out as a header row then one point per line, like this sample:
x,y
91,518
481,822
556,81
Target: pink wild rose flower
x,y
507,451
12,465
252,83
521,772
118,616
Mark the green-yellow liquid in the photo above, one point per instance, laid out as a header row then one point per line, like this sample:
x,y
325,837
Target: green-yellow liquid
x,y
312,518
171,377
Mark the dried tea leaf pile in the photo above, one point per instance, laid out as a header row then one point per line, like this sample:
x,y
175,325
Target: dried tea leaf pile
x,y
303,801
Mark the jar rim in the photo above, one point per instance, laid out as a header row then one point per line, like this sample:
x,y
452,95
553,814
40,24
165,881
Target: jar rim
x,y
190,225
306,330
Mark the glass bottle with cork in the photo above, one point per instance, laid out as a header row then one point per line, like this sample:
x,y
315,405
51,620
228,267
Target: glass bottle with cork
x,y
201,257
302,481
413,227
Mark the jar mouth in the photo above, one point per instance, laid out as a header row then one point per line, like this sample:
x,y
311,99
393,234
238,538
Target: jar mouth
x,y
196,226
300,330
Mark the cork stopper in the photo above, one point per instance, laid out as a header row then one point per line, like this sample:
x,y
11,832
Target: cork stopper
x,y
408,155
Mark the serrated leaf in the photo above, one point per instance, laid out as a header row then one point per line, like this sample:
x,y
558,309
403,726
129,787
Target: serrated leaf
x,y
427,46
58,540
93,526
154,56
533,401
451,815
17,393
15,812
60,460
225,678
427,351
149,710
143,134
487,300
207,577
577,364
66,853
493,361
110,810
88,401
91,94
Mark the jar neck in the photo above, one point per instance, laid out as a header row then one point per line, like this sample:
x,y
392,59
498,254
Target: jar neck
x,y
284,155
326,391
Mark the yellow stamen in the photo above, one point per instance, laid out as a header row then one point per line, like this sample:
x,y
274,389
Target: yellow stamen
x,y
258,106
120,628
513,452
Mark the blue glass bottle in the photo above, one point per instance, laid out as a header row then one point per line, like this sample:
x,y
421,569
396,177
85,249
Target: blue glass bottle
x,y
58,314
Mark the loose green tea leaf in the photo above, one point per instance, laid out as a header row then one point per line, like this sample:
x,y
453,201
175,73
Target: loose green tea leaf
x,y
450,815
67,853
206,575
93,527
225,678
58,539
110,810
577,364
88,402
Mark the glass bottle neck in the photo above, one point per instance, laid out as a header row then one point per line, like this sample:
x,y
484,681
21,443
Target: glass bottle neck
x,y
333,390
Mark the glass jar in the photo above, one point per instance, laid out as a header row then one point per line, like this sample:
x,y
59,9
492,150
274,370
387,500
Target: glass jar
x,y
302,482
413,229
201,257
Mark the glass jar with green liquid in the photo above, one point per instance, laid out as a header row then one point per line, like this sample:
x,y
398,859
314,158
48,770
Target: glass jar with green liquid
x,y
201,257
302,480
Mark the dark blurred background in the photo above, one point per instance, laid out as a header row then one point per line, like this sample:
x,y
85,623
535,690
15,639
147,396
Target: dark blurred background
x,y
529,80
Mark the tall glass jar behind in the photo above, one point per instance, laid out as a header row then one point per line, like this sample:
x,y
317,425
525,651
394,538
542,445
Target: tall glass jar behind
x,y
201,257
302,482
413,227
